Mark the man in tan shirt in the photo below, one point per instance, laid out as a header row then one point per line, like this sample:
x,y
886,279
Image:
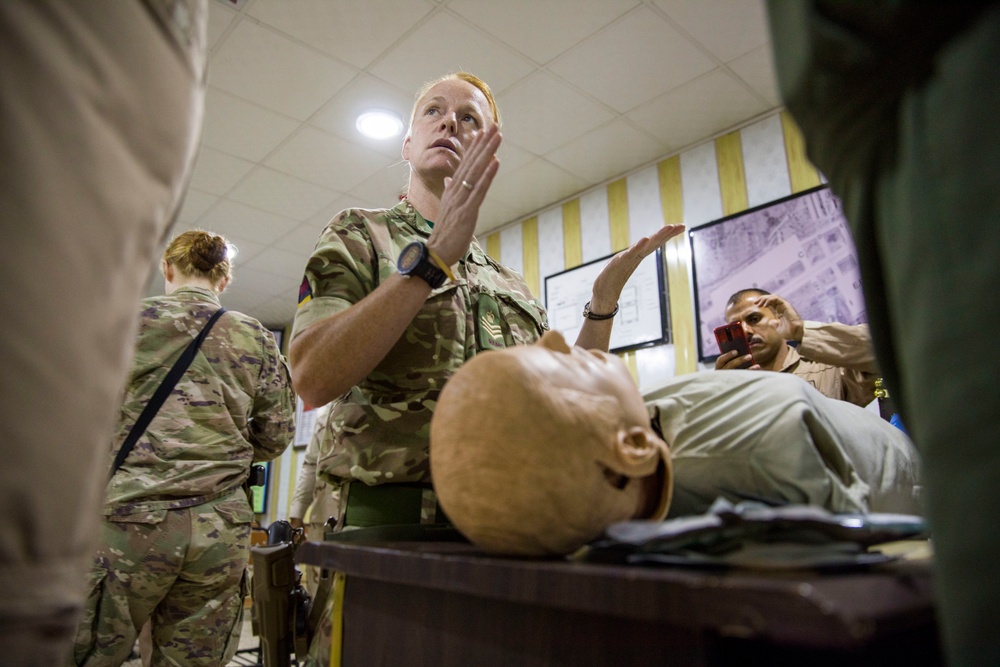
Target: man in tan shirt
x,y
837,359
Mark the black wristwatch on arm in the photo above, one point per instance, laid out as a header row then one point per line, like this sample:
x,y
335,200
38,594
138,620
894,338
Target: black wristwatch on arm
x,y
416,261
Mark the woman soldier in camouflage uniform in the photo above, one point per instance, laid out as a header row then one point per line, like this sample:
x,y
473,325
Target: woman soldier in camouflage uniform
x,y
175,541
395,300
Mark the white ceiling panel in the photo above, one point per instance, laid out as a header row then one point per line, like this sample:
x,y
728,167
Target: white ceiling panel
x,y
743,28
321,158
282,194
619,142
541,30
354,31
241,128
216,172
195,204
266,67
757,69
534,185
446,43
535,110
698,110
252,224
642,43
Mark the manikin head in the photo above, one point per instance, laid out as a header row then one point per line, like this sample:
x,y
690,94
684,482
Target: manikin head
x,y
536,449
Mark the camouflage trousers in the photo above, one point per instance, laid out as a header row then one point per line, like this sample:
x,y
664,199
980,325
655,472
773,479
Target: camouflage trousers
x,y
184,569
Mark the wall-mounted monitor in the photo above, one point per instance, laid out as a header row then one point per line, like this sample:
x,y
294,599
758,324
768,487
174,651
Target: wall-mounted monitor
x,y
642,311
799,247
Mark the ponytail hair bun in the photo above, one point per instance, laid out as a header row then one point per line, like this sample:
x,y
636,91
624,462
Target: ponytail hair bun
x,y
200,254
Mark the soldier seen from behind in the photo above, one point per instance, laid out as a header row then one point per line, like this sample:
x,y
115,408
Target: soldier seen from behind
x,y
175,541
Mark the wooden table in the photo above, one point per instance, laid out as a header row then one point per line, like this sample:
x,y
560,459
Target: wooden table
x,y
447,603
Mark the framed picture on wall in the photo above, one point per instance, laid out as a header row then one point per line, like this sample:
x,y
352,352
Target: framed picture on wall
x,y
799,247
642,310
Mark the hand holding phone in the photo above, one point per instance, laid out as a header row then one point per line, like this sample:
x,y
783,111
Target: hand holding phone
x,y
732,337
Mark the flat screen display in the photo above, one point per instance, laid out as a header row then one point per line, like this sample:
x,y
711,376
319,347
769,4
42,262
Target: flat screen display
x,y
799,247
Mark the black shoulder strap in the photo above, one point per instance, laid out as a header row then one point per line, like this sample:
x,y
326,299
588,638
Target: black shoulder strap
x,y
167,386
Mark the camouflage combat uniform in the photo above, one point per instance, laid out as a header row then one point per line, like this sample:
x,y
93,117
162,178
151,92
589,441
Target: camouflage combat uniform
x,y
174,544
379,432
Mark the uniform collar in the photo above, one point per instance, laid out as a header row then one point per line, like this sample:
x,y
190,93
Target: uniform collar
x,y
410,216
201,292
792,358
404,211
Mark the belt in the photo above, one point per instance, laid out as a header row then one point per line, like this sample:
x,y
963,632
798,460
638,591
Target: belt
x,y
390,504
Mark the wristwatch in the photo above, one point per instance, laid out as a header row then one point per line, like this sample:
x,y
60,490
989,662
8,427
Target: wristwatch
x,y
414,261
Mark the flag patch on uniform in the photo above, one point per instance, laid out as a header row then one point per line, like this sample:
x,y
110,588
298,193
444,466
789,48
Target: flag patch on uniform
x,y
305,292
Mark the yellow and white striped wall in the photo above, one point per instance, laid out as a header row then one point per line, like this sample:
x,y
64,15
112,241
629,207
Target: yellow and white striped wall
x,y
748,167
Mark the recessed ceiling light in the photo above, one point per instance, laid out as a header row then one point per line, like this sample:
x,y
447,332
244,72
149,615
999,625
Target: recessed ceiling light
x,y
379,124
231,252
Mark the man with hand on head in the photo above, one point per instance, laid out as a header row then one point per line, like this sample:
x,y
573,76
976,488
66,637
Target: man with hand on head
x,y
835,358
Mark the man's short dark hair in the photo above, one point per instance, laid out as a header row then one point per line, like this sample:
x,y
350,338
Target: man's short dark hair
x,y
745,292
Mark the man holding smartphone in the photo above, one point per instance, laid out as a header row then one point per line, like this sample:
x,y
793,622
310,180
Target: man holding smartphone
x,y
835,358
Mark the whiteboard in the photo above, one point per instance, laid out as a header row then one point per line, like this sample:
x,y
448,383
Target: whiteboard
x,y
642,313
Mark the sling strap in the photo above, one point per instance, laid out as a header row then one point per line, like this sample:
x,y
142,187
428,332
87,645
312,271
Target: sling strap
x,y
161,393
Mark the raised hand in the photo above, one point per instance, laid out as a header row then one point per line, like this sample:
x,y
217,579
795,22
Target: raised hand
x,y
609,284
463,195
786,321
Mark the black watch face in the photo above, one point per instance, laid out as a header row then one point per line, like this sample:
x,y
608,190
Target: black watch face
x,y
410,256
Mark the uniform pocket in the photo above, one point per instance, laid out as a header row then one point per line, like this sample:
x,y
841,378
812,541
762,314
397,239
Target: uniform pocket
x,y
235,510
524,319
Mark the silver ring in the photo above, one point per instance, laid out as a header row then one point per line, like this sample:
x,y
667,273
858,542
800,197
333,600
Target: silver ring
x,y
467,185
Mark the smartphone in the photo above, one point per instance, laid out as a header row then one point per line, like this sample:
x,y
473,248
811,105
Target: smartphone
x,y
732,337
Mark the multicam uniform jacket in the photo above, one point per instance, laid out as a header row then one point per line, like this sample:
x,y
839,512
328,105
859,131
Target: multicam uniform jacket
x,y
234,405
379,431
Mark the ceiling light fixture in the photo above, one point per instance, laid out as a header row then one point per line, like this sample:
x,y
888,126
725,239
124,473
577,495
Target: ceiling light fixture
x,y
379,124
231,252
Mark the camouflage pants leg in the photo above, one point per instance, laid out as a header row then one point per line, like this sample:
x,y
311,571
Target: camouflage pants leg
x,y
184,569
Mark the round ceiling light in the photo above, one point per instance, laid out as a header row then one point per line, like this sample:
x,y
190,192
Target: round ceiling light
x,y
379,124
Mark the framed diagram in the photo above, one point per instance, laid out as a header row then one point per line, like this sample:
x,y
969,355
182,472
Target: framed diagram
x,y
642,310
799,247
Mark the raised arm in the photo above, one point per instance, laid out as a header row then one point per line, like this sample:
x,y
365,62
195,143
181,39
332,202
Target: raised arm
x,y
335,353
596,334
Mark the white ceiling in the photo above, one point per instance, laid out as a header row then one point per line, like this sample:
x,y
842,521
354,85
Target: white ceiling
x,y
589,90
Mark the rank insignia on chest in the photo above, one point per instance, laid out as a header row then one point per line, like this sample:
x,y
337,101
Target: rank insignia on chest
x,y
489,332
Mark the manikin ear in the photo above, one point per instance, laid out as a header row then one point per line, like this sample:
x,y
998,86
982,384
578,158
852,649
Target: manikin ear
x,y
638,451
